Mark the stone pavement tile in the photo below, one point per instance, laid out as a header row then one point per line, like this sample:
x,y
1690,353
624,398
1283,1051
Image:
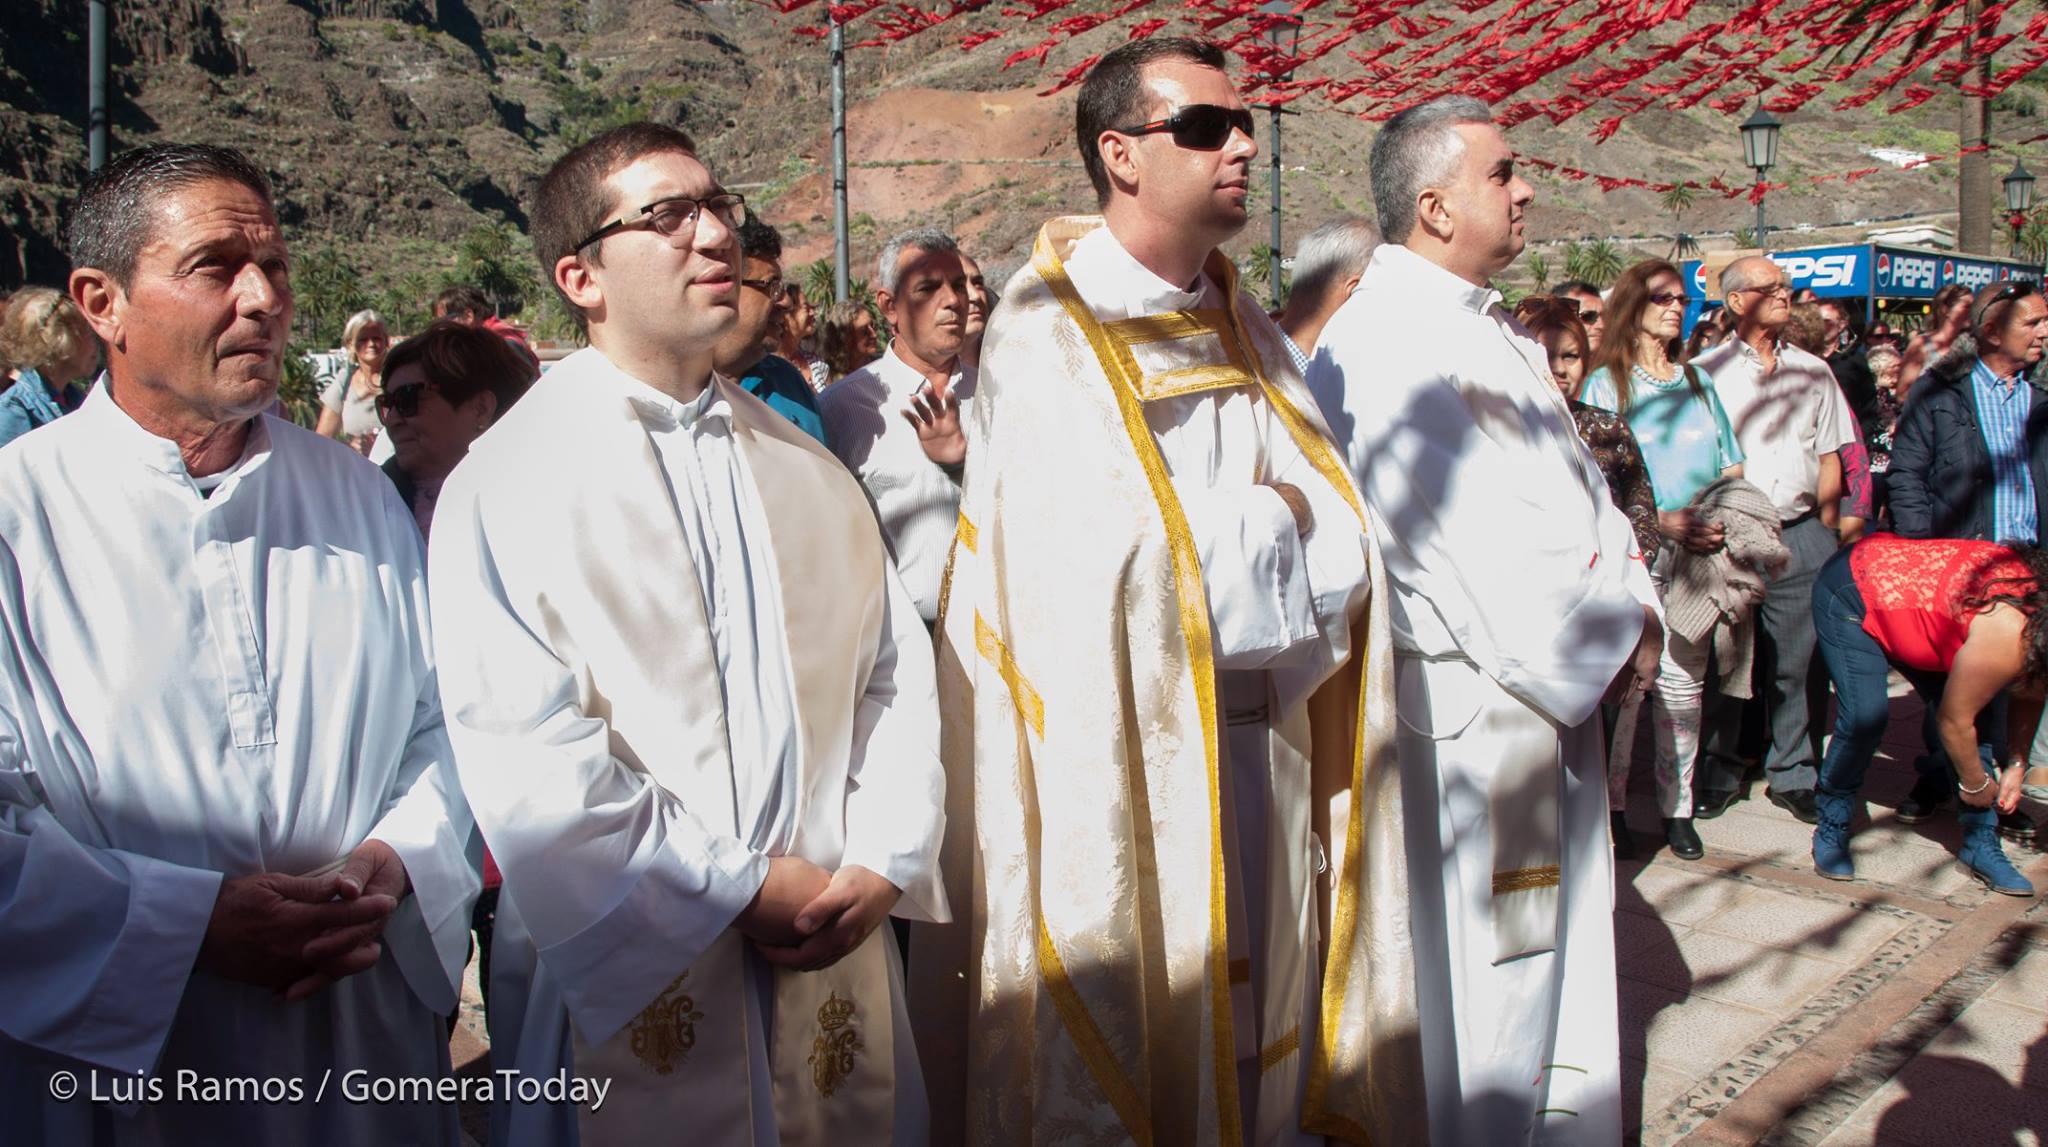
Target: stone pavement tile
x,y
1760,829
1688,1037
1944,1101
1635,931
1824,929
1707,966
1929,871
2026,984
1648,1089
1676,892
2006,1038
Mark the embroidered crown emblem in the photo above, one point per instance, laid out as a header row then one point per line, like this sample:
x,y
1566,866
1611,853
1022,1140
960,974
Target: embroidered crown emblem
x,y
836,1013
837,1047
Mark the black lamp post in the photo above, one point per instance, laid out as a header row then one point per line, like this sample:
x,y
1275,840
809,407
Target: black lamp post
x,y
1760,152
2019,196
1286,23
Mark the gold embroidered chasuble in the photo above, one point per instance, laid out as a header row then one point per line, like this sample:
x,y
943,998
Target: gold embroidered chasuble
x,y
1089,995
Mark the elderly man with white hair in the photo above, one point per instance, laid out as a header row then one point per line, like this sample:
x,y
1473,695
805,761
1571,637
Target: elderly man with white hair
x,y
897,422
1520,600
1327,265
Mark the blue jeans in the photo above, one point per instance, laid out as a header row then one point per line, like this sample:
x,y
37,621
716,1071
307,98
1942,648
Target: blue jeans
x,y
1862,702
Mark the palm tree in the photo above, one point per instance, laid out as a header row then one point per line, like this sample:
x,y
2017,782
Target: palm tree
x,y
489,259
1539,271
1678,200
1974,194
1599,262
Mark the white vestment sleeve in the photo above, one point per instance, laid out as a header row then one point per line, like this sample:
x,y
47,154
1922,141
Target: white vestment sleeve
x,y
621,887
1547,619
1254,572
427,823
99,942
896,787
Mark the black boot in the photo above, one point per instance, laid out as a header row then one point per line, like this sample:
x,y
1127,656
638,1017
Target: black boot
x,y
1685,843
1624,844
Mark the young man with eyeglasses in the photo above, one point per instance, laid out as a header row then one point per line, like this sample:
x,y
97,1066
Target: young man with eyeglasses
x,y
1792,422
898,422
1159,561
691,702
1970,460
747,351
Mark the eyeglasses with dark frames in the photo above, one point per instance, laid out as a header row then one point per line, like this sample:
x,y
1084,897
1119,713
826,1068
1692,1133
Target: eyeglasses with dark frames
x,y
1197,127
1666,298
775,288
675,218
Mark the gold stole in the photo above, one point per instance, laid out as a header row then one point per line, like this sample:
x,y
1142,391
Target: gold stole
x,y
679,1068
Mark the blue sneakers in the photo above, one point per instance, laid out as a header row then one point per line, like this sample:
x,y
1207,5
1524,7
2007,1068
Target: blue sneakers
x,y
1831,835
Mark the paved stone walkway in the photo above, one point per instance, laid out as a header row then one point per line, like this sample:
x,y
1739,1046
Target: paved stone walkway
x,y
1761,1004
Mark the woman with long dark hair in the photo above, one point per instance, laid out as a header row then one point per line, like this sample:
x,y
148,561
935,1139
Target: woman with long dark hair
x,y
1963,622
1687,443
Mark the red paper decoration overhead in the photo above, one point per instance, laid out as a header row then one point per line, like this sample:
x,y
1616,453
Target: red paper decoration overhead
x,y
1616,57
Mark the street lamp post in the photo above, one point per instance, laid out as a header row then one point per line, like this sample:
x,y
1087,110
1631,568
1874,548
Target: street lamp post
x,y
2019,196
841,259
1283,18
1760,151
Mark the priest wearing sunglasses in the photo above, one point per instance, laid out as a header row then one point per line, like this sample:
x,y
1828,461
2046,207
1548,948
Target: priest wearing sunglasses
x,y
1165,670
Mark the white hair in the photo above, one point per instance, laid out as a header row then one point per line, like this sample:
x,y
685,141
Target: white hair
x,y
1735,276
1417,149
927,239
1332,253
353,329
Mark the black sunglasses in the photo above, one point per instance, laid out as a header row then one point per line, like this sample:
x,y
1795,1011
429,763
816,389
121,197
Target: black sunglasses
x,y
404,402
2016,289
1197,127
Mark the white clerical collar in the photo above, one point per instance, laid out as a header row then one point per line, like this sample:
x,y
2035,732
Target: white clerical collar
x,y
1419,274
105,416
902,379
710,404
1112,280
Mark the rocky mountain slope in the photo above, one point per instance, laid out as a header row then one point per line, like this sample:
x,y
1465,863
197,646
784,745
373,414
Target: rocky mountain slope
x,y
395,127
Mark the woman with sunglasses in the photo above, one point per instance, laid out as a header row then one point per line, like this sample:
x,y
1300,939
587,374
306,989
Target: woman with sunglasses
x,y
1687,443
441,389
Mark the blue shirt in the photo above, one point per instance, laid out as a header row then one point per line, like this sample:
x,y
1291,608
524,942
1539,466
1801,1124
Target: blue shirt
x,y
26,405
2002,406
1686,443
787,392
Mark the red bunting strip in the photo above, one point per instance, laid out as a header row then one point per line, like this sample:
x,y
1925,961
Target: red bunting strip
x,y
1787,52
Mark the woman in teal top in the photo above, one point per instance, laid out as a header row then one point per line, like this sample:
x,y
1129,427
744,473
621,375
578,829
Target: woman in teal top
x,y
1687,442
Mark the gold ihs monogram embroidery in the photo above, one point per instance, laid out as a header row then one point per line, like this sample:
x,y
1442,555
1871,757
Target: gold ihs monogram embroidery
x,y
837,1047
665,1032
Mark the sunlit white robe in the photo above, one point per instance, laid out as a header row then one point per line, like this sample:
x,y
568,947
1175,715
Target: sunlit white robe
x,y
622,863
205,684
1518,595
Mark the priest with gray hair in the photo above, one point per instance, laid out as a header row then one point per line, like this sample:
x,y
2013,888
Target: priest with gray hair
x,y
1327,265
1520,600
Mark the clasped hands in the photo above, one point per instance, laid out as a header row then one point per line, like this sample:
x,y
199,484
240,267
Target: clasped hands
x,y
299,934
806,919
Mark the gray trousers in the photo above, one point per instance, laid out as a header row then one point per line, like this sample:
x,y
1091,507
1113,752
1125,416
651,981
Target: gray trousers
x,y
1785,644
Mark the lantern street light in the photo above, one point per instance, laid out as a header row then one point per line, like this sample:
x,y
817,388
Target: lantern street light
x,y
2019,196
1760,151
1284,22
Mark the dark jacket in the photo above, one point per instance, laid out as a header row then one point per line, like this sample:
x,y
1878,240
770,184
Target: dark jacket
x,y
1851,367
1940,484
